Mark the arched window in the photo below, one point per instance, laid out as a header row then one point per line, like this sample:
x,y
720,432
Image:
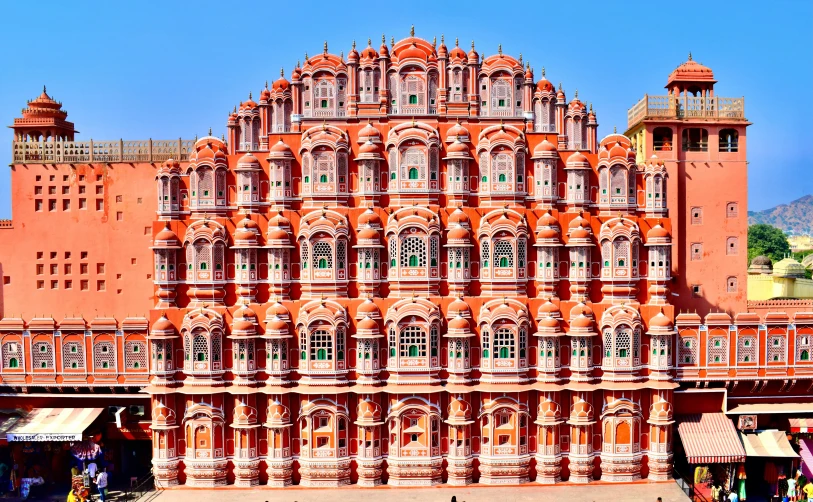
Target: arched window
x,y
413,342
322,255
504,344
503,254
321,345
413,173
200,347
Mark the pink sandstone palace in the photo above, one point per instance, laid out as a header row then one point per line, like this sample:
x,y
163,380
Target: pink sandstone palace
x,y
410,265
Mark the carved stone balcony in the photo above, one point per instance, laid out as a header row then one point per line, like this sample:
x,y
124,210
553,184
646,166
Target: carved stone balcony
x,y
88,152
681,107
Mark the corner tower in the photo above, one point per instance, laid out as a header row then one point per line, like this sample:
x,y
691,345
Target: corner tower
x,y
700,138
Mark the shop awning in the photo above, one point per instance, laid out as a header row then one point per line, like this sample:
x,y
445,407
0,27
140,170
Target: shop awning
x,y
771,443
710,438
53,424
801,424
7,422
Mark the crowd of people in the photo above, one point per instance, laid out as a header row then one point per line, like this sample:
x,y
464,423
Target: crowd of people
x,y
91,479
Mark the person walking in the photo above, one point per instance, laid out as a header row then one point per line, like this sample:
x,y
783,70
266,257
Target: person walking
x,y
101,484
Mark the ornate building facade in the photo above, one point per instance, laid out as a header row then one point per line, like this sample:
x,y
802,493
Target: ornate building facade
x,y
411,265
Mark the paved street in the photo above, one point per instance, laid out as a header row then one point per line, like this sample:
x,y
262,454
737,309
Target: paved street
x,y
526,493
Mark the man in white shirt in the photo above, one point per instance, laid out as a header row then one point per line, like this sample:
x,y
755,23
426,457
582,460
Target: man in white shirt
x,y
101,484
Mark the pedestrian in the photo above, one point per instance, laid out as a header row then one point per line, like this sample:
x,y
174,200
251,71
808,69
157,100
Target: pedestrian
x,y
74,471
92,471
808,490
101,484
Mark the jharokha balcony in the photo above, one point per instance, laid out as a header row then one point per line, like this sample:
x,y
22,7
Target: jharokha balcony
x,y
684,106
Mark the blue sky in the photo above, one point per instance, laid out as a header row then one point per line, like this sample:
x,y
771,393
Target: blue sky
x,y
170,69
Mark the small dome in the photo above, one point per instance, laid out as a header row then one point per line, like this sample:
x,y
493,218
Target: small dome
x,y
457,147
163,324
369,147
459,308
459,323
368,412
578,160
548,322
369,133
549,309
369,309
276,325
660,321
368,234
167,235
458,233
547,233
277,414
369,218
457,131
581,321
459,410
279,221
657,232
367,324
581,309
281,147
788,267
548,411
277,235
473,56
761,265
277,309
544,85
545,149
458,217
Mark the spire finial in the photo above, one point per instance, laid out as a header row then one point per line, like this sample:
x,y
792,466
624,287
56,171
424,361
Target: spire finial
x,y
591,107
499,49
43,87
325,47
392,41
223,139
472,45
615,130
442,38
266,84
520,59
412,31
456,42
543,71
281,74
235,109
576,94
528,65
434,41
354,45
369,42
298,63
341,55
383,39
690,55
306,57
210,131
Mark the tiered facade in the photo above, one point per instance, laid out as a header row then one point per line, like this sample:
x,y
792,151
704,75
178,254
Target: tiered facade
x,y
413,265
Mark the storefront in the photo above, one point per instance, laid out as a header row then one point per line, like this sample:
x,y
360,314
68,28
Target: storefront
x,y
769,459
713,454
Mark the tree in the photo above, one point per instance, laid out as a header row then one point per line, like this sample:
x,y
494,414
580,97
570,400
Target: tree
x,y
767,240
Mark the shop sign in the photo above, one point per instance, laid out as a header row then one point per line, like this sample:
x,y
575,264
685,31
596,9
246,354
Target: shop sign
x,y
42,437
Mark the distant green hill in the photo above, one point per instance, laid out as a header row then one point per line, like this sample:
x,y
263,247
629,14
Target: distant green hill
x,y
795,217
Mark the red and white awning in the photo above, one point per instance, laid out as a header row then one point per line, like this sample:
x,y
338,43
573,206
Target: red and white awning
x,y
53,424
710,438
801,424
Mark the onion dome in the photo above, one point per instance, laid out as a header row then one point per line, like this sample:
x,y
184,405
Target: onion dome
x,y
277,310
458,308
277,415
459,411
577,161
560,94
548,326
789,268
245,417
660,324
368,413
383,51
458,216
169,167
367,328
280,221
580,233
458,236
368,237
369,218
163,417
458,132
369,151
280,151
545,150
278,237
691,71
581,413
547,231
280,84
581,309
163,328
248,162
353,55
661,413
297,73
275,327
576,105
246,234
658,236
369,53
249,104
166,239
265,94
459,328
529,74
244,323
457,150
611,151
549,309
368,308
474,58
548,413
457,54
369,133
761,265
581,326
544,84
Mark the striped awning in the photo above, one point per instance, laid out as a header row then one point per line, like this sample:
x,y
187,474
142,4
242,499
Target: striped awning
x,y
53,424
6,423
806,451
771,443
801,424
710,438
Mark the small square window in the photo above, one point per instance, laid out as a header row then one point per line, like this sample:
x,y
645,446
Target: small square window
x,y
83,268
83,203
82,189
38,205
54,269
64,177
40,284
697,215
51,190
40,255
83,254
66,190
83,285
81,177
66,204
67,255
100,190
99,204
39,178
53,255
51,205
37,190
118,198
696,290
100,286
51,177
40,269
98,177
100,268
54,284
68,284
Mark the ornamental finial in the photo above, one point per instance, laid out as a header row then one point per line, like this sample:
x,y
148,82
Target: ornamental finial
x,y
249,94
43,87
306,57
472,45
369,42
442,38
210,131
266,84
576,94
520,59
412,31
560,86
690,55
615,130
392,41
354,45
543,71
456,42
383,39
499,49
325,47
281,74
434,41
